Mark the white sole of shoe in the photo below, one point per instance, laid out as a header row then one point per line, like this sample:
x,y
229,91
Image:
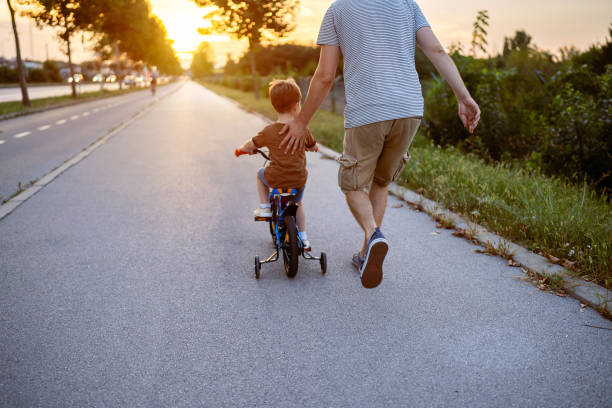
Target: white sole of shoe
x,y
372,270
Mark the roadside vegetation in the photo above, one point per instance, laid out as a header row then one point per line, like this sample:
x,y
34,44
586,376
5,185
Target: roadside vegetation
x,y
568,222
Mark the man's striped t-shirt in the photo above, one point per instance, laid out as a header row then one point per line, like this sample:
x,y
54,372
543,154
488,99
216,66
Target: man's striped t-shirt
x,y
377,39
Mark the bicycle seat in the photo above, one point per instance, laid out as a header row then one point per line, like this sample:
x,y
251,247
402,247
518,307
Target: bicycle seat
x,y
286,194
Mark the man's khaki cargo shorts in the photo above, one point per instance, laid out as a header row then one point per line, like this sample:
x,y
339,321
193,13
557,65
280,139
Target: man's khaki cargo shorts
x,y
376,152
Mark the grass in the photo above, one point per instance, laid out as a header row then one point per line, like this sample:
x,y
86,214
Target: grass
x,y
16,107
547,215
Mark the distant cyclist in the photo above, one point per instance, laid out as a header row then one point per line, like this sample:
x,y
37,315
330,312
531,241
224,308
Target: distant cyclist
x,y
154,76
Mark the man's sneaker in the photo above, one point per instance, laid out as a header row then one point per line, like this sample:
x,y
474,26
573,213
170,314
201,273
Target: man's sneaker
x,y
262,212
372,271
357,261
306,244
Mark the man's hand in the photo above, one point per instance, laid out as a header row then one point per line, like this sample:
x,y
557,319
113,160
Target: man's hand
x,y
314,148
469,113
296,135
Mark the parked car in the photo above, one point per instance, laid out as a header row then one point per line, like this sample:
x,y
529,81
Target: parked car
x,y
129,80
111,78
76,78
98,78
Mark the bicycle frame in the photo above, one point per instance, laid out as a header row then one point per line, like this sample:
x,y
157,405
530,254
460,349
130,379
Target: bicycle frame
x,y
283,206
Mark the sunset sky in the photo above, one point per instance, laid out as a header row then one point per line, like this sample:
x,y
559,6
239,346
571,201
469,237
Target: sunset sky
x,y
552,24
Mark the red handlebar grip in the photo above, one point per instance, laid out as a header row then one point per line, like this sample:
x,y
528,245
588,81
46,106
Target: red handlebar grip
x,y
239,152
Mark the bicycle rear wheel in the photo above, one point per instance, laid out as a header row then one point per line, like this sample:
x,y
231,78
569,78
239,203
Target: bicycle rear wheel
x,y
291,248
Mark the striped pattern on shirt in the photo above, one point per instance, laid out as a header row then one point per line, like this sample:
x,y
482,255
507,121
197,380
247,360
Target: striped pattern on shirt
x,y
377,38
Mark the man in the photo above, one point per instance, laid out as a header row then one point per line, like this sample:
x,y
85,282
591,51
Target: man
x,y
384,105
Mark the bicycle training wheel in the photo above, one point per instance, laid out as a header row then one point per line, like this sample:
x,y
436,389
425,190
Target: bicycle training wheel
x,y
257,267
323,263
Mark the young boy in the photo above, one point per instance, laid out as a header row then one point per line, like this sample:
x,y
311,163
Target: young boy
x,y
284,170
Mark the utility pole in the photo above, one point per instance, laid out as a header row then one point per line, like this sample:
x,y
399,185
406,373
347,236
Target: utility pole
x,y
25,99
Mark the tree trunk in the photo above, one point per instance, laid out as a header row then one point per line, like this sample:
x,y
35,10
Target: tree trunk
x,y
254,71
25,99
71,68
118,66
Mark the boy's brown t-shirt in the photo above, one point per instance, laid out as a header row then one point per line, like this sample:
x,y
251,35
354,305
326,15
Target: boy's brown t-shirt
x,y
284,170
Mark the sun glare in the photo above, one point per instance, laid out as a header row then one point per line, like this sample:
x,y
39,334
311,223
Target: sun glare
x,y
182,19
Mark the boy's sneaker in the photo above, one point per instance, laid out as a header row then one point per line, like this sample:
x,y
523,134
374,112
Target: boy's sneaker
x,y
358,261
371,271
305,242
262,212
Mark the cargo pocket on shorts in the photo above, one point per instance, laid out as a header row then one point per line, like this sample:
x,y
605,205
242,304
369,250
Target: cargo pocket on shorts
x,y
347,173
405,159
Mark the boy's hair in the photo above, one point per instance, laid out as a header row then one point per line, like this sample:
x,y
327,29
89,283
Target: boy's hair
x,y
284,94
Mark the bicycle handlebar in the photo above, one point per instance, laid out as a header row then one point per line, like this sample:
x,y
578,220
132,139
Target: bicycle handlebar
x,y
239,153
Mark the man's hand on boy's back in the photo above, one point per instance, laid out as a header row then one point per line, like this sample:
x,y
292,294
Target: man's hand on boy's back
x,y
297,133
313,148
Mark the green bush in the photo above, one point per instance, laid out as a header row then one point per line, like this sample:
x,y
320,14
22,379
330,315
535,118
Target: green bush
x,y
37,75
559,122
52,70
8,75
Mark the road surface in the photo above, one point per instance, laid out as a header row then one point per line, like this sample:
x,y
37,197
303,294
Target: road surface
x,y
128,282
32,145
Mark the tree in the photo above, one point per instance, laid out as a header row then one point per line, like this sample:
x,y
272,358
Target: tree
x,y
203,61
25,99
521,42
127,27
66,17
479,34
250,19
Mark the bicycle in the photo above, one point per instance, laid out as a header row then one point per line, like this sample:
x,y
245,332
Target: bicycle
x,y
284,231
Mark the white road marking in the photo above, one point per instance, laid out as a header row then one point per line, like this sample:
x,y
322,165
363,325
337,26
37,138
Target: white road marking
x,y
75,117
1,142
96,110
44,127
86,114
60,122
22,134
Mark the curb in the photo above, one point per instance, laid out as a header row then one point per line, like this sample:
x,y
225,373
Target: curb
x,y
588,293
12,204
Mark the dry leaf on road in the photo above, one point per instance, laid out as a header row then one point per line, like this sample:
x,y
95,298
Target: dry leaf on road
x,y
513,263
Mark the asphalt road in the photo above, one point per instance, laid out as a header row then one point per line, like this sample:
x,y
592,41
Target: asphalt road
x,y
47,91
32,145
128,282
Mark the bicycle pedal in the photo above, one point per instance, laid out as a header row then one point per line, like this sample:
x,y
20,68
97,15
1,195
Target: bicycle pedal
x,y
307,249
261,219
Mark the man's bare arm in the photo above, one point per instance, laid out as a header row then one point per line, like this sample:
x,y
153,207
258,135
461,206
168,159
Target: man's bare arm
x,y
320,85
469,112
